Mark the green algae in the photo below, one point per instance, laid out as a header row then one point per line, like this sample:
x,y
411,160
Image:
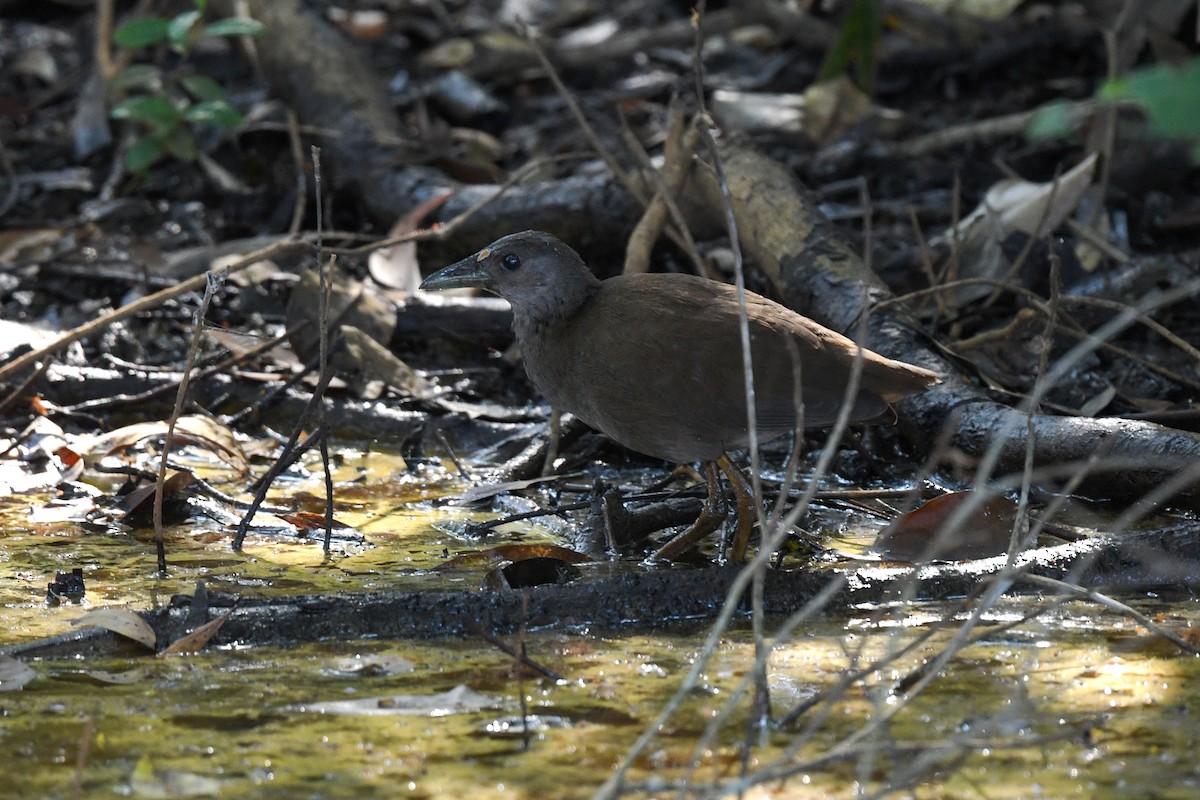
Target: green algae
x,y
1078,702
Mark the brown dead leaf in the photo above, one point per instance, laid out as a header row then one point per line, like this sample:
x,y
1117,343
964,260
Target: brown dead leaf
x,y
197,639
922,535
529,572
1011,206
122,622
23,245
365,24
824,112
351,302
368,360
309,521
396,266
189,430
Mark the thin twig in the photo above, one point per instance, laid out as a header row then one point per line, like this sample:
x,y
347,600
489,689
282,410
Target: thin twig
x,y
678,152
213,369
291,451
213,281
21,390
146,303
1116,605
298,165
323,366
588,131
443,230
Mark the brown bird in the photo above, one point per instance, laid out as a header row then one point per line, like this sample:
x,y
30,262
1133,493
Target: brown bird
x,y
655,361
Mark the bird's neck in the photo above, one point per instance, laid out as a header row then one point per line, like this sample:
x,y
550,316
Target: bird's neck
x,y
539,316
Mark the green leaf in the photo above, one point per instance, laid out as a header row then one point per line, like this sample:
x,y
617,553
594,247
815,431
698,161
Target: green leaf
x,y
139,77
141,32
1114,89
1052,121
235,26
203,87
1168,95
179,29
154,110
142,154
856,44
180,144
217,113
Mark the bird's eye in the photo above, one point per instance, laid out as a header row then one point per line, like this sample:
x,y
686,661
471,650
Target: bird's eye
x,y
511,261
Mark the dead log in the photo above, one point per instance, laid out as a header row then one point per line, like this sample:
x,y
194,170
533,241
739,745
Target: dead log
x,y
1163,559
94,390
816,271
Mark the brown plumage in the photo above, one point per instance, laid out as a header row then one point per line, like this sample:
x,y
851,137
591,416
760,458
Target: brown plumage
x,y
655,360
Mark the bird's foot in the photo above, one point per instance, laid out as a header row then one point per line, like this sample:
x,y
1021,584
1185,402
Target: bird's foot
x,y
706,523
747,515
711,517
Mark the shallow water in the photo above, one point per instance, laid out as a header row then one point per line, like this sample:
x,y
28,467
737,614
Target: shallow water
x,y
1079,702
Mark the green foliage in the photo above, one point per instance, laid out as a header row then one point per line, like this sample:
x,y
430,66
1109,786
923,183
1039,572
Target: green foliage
x,y
234,26
141,32
202,87
1052,121
155,110
857,44
139,78
1168,95
167,106
142,154
181,28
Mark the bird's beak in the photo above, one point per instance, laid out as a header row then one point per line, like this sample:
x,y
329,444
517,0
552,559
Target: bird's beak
x,y
469,272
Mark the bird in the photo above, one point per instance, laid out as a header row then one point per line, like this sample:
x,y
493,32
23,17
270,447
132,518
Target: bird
x,y
654,361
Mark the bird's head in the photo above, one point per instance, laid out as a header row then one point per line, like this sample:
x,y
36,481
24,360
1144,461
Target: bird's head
x,y
538,274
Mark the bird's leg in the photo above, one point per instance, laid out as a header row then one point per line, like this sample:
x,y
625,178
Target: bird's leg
x,y
746,515
555,435
681,471
710,517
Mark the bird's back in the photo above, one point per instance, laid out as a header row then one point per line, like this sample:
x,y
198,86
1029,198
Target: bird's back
x,y
655,361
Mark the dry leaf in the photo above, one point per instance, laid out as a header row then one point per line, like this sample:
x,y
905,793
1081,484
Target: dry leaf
x,y
125,677
351,302
197,639
365,24
191,429
922,534
369,360
139,504
396,266
486,490
1014,205
1011,206
824,112
307,521
122,622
